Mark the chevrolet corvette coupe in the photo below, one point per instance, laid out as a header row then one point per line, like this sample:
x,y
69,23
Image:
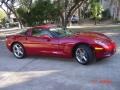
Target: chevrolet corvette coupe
x,y
50,40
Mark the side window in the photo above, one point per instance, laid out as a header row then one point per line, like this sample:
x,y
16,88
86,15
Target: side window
x,y
40,32
36,32
45,32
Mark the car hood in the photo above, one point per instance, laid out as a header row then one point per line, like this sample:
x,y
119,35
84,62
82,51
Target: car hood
x,y
91,35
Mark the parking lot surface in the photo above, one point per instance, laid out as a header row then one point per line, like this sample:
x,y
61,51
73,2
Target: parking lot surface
x,y
52,73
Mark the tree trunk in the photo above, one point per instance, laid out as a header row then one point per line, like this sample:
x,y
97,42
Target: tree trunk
x,y
95,21
13,11
73,9
19,20
70,12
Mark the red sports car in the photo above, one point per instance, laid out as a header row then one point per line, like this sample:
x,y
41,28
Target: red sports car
x,y
53,41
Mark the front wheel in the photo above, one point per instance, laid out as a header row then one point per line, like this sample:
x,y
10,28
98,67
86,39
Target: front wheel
x,y
84,54
18,50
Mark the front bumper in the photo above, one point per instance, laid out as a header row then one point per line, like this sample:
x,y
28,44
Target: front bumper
x,y
103,52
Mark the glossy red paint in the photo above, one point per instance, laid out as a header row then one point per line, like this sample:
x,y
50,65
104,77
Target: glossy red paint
x,y
101,45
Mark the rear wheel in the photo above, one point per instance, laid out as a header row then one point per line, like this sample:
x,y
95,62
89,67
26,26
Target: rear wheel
x,y
18,50
84,54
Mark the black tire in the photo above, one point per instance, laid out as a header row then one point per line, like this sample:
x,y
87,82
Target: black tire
x,y
18,50
84,54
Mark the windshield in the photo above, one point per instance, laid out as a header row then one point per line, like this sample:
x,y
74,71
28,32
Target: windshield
x,y
59,32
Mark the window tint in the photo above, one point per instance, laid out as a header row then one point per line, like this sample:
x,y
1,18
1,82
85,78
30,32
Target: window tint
x,y
36,32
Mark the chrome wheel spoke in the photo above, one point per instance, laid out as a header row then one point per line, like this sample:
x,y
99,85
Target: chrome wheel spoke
x,y
81,55
85,59
18,50
16,47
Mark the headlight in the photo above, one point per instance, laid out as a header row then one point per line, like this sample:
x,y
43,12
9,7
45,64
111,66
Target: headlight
x,y
101,43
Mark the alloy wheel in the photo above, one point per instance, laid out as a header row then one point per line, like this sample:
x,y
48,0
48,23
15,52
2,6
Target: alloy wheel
x,y
18,50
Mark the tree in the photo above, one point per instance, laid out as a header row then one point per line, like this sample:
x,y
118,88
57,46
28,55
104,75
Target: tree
x,y
40,12
11,8
12,5
2,15
25,3
68,8
96,10
65,8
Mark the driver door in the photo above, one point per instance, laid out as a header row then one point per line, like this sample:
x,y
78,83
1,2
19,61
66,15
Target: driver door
x,y
39,44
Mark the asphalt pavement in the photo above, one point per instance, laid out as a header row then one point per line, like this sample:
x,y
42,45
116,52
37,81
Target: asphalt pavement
x,y
52,73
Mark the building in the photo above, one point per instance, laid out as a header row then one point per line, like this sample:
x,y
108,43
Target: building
x,y
113,6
